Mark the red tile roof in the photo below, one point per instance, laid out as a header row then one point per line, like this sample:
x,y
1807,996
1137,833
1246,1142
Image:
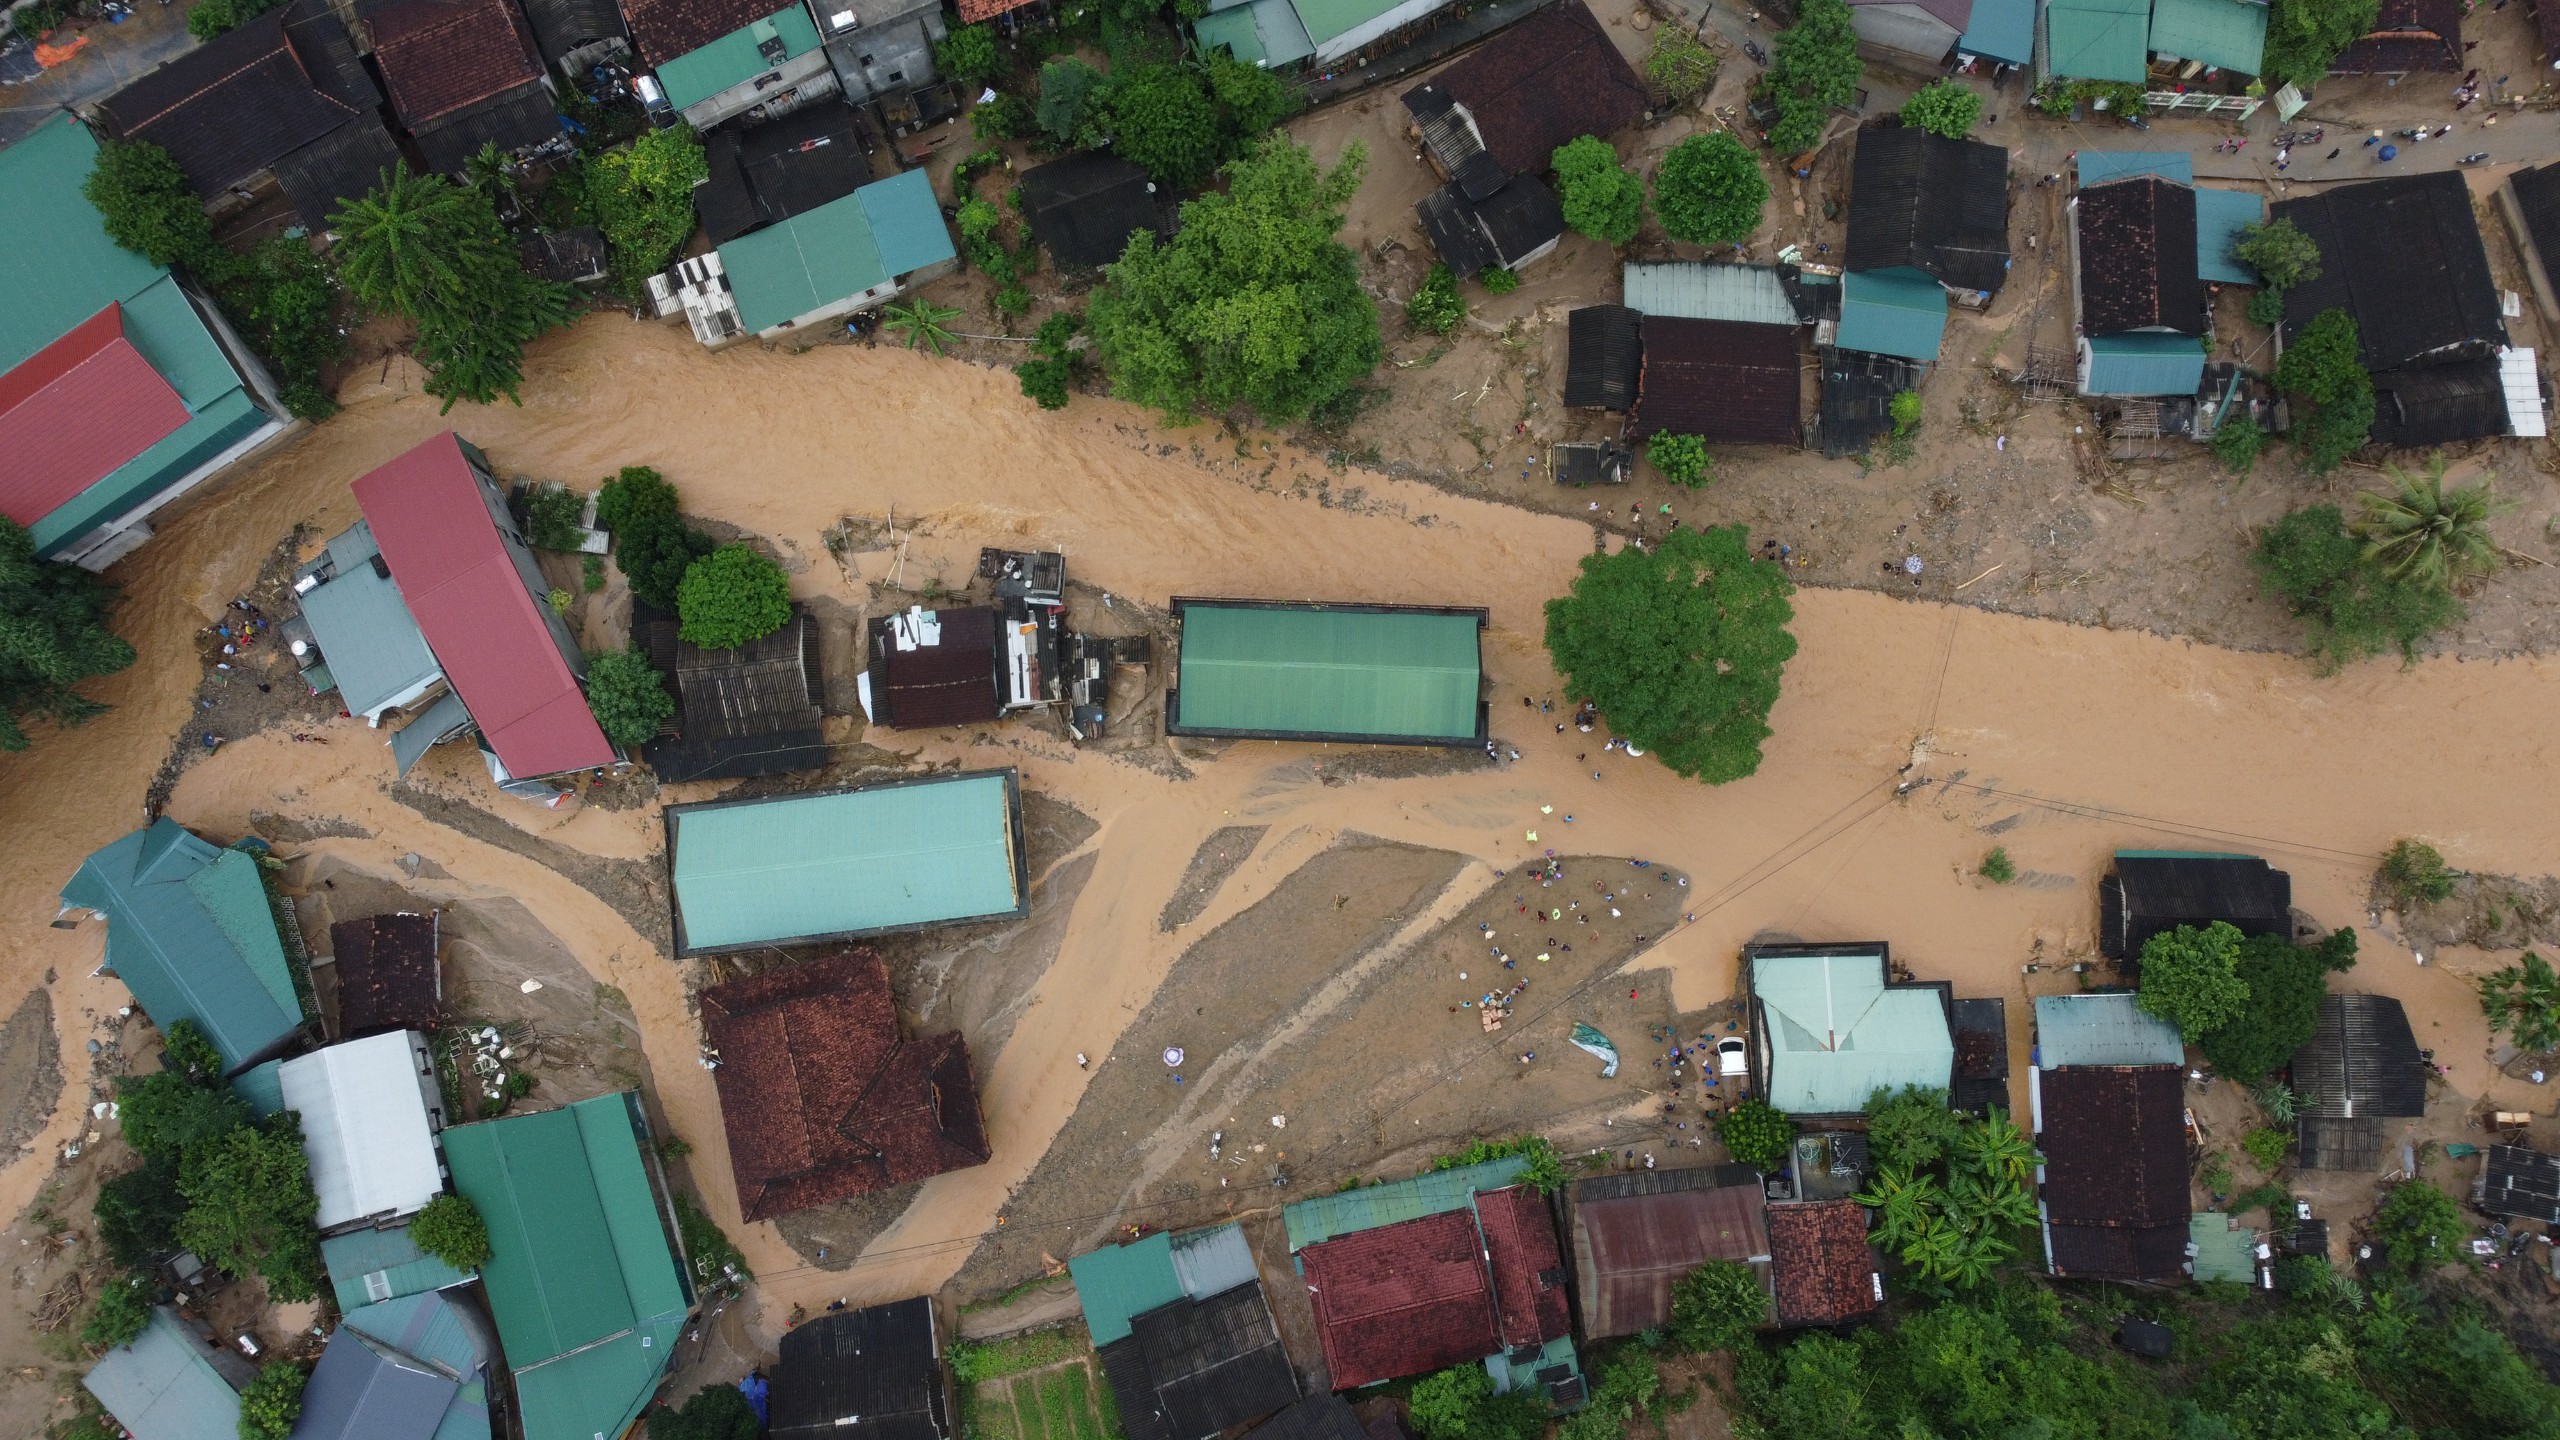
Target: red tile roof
x,y
1821,1265
439,56
434,522
973,11
822,1098
665,29
74,411
1403,1299
1528,1267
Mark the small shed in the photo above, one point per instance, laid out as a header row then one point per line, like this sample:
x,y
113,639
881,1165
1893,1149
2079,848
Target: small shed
x,y
388,974
2147,1338
869,1374
1902,313
2000,30
2220,217
2222,1249
1982,1056
1356,674
2520,1184
1507,229
1857,397
2149,891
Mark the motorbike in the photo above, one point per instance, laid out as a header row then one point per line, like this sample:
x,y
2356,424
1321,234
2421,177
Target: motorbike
x,y
2481,158
1758,55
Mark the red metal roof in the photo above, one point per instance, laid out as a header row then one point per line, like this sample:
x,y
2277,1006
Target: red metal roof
x,y
438,535
1403,1299
1528,1267
1629,1252
74,411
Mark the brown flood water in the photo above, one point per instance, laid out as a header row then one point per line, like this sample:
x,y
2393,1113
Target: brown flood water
x,y
2080,741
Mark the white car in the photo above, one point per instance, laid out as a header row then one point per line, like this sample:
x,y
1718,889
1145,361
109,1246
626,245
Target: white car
x,y
1733,1057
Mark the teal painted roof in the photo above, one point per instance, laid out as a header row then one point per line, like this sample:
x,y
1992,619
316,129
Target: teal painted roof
x,y
1521,1375
369,1267
2104,1029
1327,20
59,269
835,252
587,1290
190,934
2001,30
1265,32
2220,217
2224,1251
1434,1192
1892,312
2097,167
733,58
2098,39
1364,674
261,1088
1118,1283
847,862
2230,34
2145,364
1835,1033
164,1385
375,650
1702,290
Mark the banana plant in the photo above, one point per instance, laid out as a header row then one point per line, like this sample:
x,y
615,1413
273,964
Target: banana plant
x,y
1994,1148
1903,1202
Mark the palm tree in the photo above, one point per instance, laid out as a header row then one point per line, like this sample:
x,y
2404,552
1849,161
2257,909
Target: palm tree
x,y
1933,1250
924,322
1903,1204
2425,533
1989,1203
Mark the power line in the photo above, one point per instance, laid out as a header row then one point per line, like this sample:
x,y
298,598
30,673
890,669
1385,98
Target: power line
x,y
2088,811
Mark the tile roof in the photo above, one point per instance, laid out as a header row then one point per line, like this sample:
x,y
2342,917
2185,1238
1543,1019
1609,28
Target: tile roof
x,y
2136,254
1629,1250
1604,357
949,682
228,108
2117,1252
2362,1061
2407,35
441,56
561,26
1721,380
1528,1268
2115,1148
1934,204
2103,1028
878,1368
464,578
1538,84
1374,673
973,11
1402,1299
2149,891
2404,257
823,1098
661,30
77,411
1820,1263
1085,207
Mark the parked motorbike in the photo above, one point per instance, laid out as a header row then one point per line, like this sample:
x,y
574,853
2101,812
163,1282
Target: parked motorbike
x,y
1758,55
2481,158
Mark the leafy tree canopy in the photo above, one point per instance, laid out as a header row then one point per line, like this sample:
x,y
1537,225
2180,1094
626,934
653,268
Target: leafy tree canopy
x,y
642,198
2278,250
2304,37
2285,982
731,596
635,492
2191,978
2350,608
1459,1404
1718,1306
969,55
716,1412
138,1213
250,1207
53,635
165,1118
1682,645
2236,443
272,1402
628,695
1253,303
1162,118
2322,365
1682,459
1816,69
450,1229
1677,64
2423,534
1436,305
654,552
2418,1228
1756,1133
1601,198
433,251
1944,107
2523,999
148,206
1067,87
1912,1127
1710,191
123,1309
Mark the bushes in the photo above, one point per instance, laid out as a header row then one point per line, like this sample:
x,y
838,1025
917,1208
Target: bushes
x,y
2523,999
1498,281
642,199
2413,873
969,55
2417,1229
272,1402
1997,867
980,225
208,18
124,1308
1046,378
1943,107
1459,1404
1913,1128
1756,1133
1682,459
551,517
1905,409
1601,198
1709,190
1436,305
716,1259
1544,1173
2236,442
731,596
1677,65
451,1230
2322,366
2350,608
2191,978
1816,69
716,1412
1718,1306
651,544
2267,1147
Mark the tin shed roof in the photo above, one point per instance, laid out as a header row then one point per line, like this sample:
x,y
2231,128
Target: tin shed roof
x,y
1376,673
2098,39
363,1389
1430,1193
1629,1250
375,650
1604,357
370,1268
2103,1028
170,1383
1925,202
1892,312
2362,1061
2220,217
1703,290
365,1126
868,1374
230,107
2404,257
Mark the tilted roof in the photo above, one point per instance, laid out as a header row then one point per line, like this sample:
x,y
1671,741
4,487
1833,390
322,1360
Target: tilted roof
x,y
1720,380
2097,167
1834,1032
441,56
372,1268
471,586
228,108
2003,30
1821,1267
2403,257
1858,389
2362,1061
449,1334
1318,1417
839,250
1933,204
823,1099
510,120
661,30
1433,1192
561,26
375,650
1629,1249
1264,32
1194,1368
2220,217
1706,290
170,1383
343,164
366,1126
1528,1267
2136,254
738,56
2103,1028
868,1374
2115,1152
190,933
837,863
363,1389
1541,83
2098,39
786,167
2521,1183
1901,313
745,711
1376,673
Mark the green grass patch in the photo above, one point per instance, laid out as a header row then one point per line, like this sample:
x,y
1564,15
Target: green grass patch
x,y
1088,1424
1061,1395
1026,1409
975,1360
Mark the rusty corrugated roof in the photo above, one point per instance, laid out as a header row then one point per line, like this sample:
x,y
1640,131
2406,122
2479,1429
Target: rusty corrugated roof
x,y
1629,1252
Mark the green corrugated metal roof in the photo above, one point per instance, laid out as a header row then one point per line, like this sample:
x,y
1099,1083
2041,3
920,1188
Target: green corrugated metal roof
x,y
906,223
2103,1029
578,1258
261,1087
2231,34
58,270
1836,1033
2096,167
2098,39
847,861
2220,217
1892,312
785,271
2144,364
368,1267
1118,1283
2224,1251
1233,29
2001,30
1313,1221
190,934
1326,19
733,58
1700,290
1266,32
1387,675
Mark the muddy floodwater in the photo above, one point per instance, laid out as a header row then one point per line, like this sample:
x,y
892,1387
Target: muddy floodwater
x,y
1911,737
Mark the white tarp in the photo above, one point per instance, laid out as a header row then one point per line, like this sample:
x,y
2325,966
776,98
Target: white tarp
x,y
1586,1038
2522,380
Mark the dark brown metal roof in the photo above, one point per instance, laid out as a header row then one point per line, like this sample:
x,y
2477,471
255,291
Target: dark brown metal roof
x,y
387,975
949,683
1628,1252
2137,258
1723,380
1537,85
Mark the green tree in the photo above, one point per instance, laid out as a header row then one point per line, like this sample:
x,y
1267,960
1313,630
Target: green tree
x,y
2350,608
208,18
2321,365
1046,377
2422,534
450,1229
2278,250
1944,107
2191,978
922,322
1677,64
53,635
2304,37
148,206
123,1310
1045,381
636,492
2523,999
2236,442
1628,1386
1459,1404
2266,1147
1756,1133
1436,305
653,552
1709,190
1252,303
1997,867
1904,1203
1683,644
2414,873
1067,89
642,199
1816,69
969,55
138,1211
1682,459
250,1207
731,596
272,1402
188,1054
1905,409
422,247
1718,1306
1162,119
1601,198
1251,101
1995,1150
2286,983
2417,1228
1912,1128
1498,281
165,1118
551,517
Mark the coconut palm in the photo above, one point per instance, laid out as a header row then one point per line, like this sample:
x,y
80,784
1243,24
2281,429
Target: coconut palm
x,y
1903,1204
2424,533
923,322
